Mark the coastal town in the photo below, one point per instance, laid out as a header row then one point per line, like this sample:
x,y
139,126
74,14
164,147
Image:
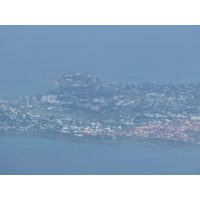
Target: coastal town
x,y
84,108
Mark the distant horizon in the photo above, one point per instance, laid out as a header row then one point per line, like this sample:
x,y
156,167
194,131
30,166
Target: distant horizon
x,y
32,56
55,85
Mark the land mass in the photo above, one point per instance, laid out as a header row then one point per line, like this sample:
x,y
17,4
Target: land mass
x,y
84,108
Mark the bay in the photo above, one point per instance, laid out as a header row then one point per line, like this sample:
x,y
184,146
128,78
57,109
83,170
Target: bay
x,y
31,57
34,155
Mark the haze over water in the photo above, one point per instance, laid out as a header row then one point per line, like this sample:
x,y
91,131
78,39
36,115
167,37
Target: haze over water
x,y
36,155
33,56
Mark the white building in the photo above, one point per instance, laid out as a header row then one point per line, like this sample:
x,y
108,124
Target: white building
x,y
53,97
27,101
44,99
34,101
49,98
195,118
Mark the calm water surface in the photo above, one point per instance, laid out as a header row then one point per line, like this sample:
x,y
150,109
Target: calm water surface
x,y
37,155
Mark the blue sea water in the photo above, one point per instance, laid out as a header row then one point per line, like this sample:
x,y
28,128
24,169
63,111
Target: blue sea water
x,y
34,155
33,56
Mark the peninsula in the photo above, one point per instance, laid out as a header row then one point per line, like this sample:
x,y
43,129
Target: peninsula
x,y
84,108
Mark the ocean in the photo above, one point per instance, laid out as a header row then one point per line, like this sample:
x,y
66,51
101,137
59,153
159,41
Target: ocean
x,y
33,56
34,155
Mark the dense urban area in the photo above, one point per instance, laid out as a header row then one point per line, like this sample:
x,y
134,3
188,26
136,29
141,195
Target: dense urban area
x,y
84,108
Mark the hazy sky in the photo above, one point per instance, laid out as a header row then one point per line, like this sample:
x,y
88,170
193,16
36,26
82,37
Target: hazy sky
x,y
163,54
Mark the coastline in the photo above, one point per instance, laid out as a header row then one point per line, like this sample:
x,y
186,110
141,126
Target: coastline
x,y
78,139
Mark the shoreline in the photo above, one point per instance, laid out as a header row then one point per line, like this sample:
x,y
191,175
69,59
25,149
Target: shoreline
x,y
65,138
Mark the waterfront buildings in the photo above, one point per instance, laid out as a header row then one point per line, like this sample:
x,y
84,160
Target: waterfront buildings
x,y
27,102
34,101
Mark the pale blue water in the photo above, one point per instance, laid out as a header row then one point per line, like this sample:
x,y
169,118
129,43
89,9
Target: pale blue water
x,y
37,155
31,56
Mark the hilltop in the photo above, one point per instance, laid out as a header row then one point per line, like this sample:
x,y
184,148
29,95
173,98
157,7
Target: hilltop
x,y
84,107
